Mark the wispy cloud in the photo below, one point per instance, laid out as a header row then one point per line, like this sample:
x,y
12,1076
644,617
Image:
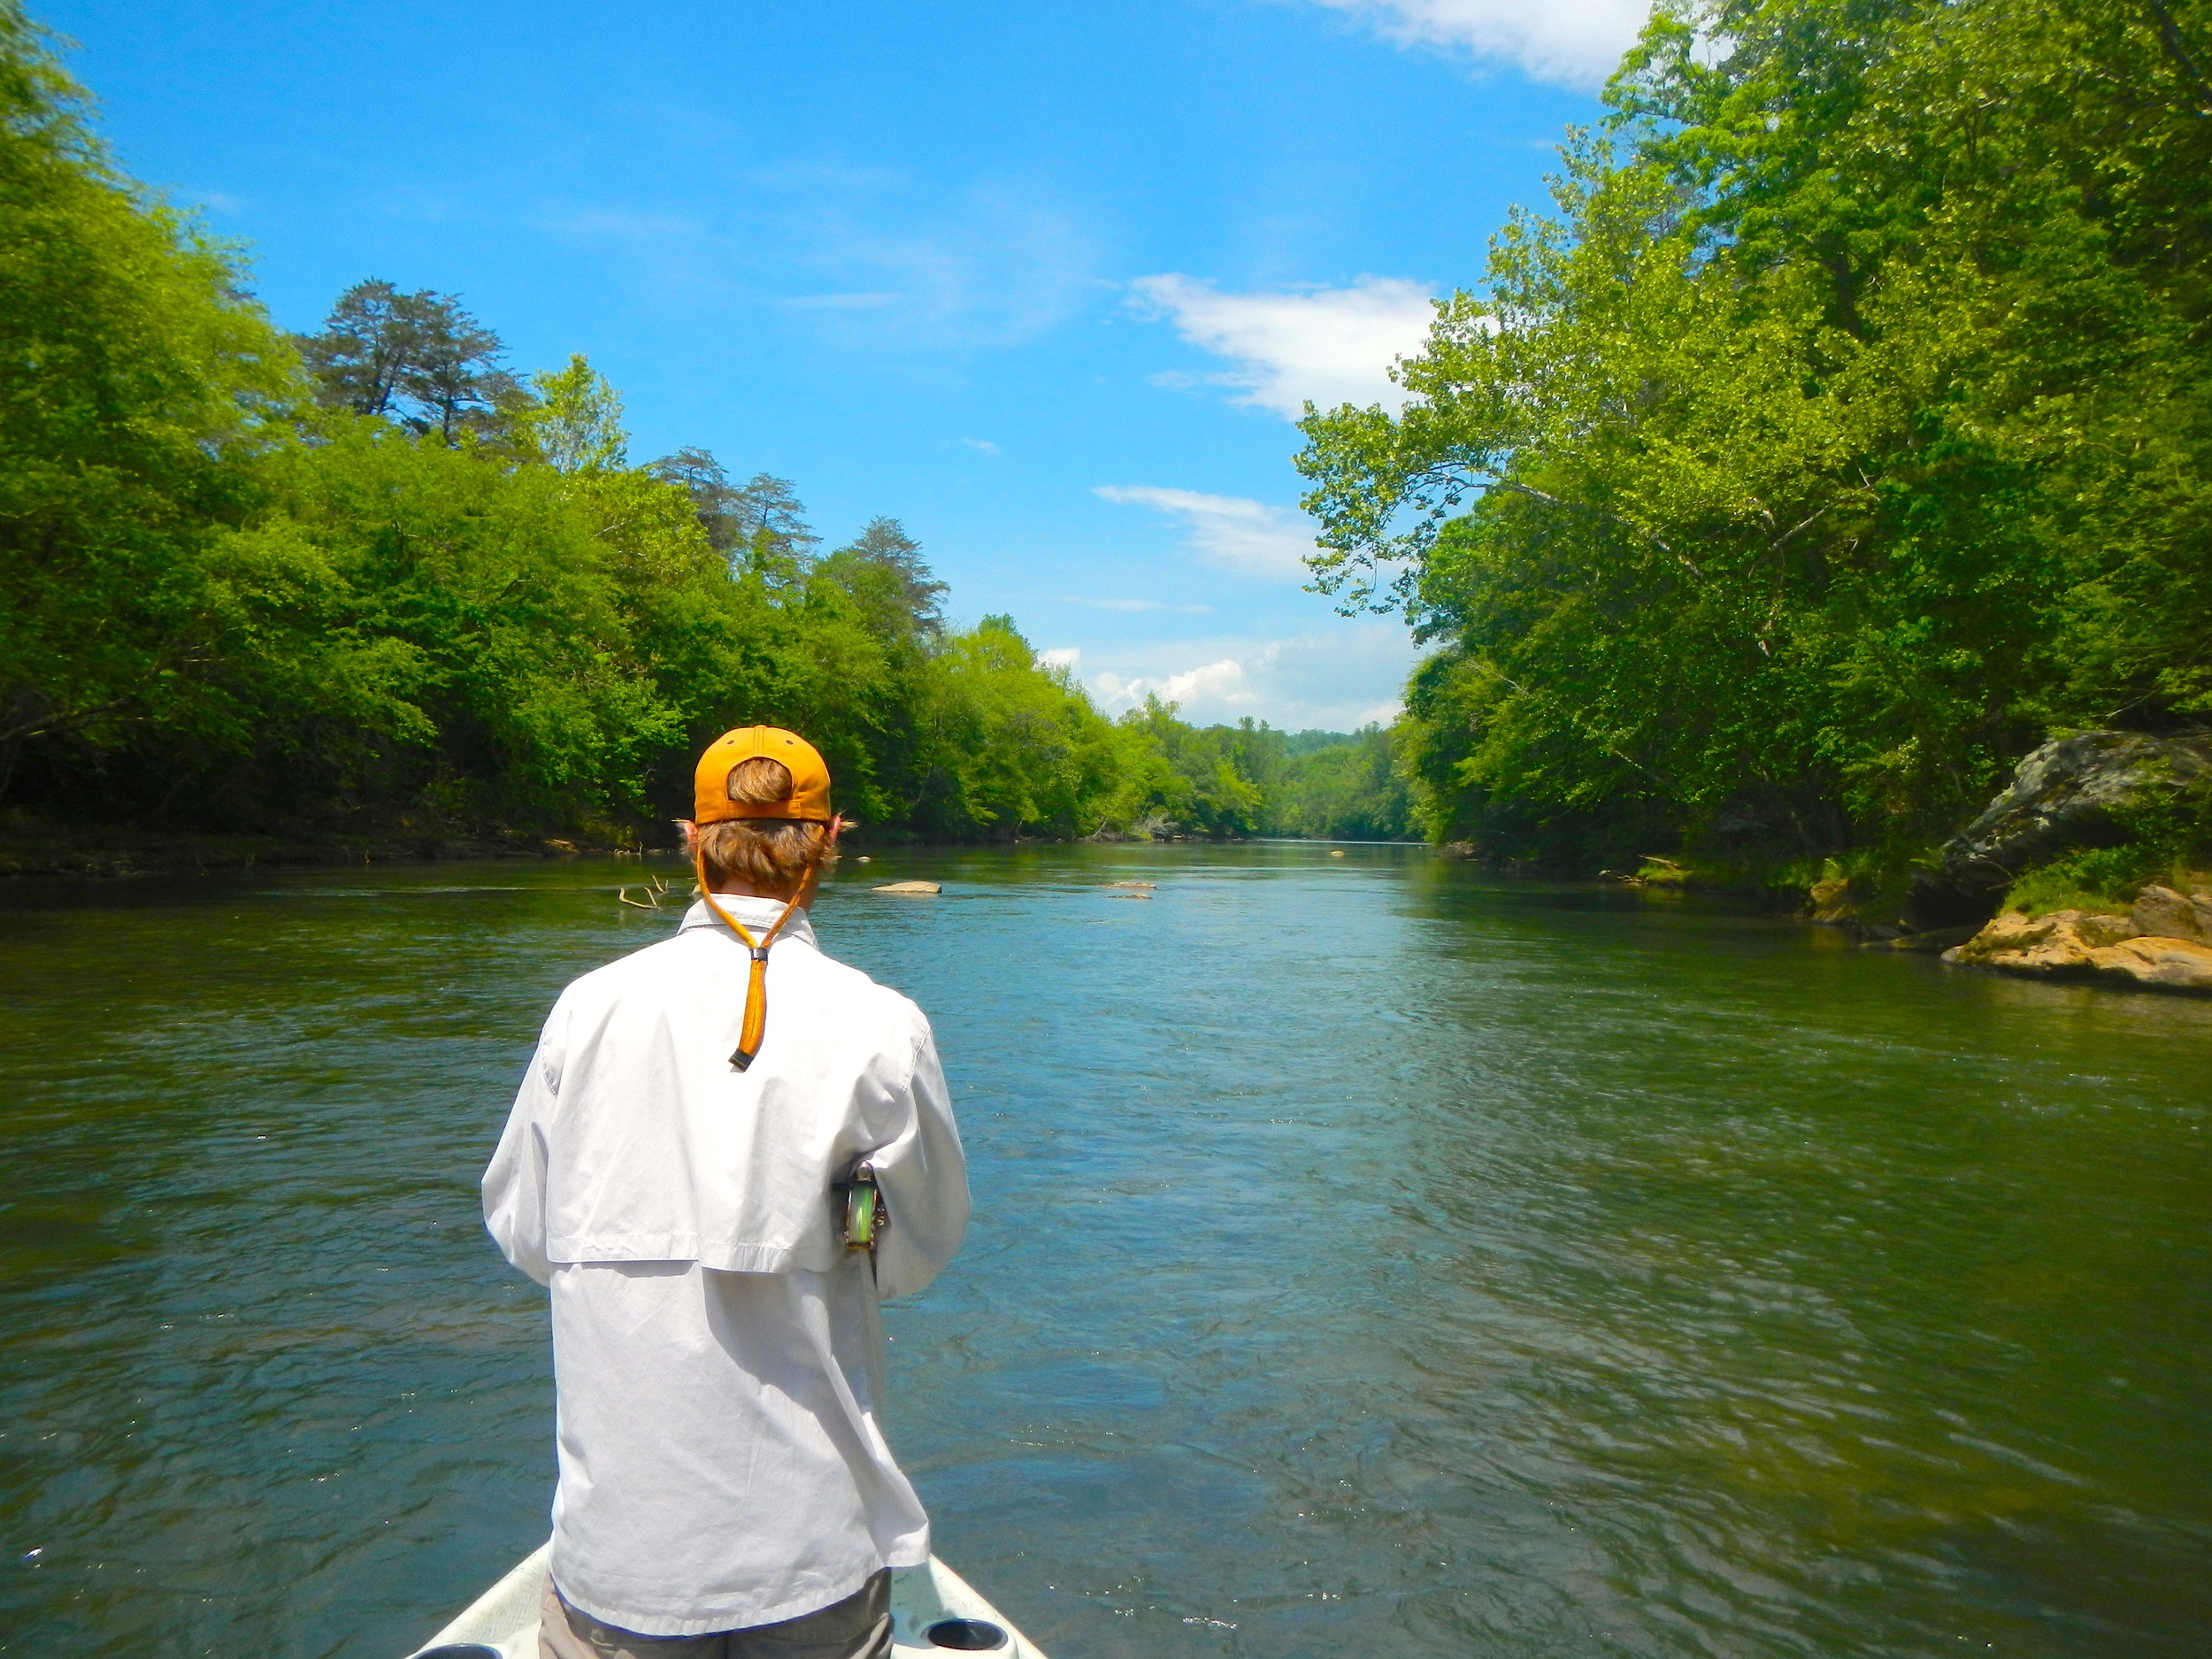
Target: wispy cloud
x,y
1330,346
876,257
1138,604
1569,42
1243,536
645,229
993,264
841,302
982,445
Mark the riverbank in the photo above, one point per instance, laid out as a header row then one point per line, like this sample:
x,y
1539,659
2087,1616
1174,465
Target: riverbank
x,y
32,846
2094,862
29,848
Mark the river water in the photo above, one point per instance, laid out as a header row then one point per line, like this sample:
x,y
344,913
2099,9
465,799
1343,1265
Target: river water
x,y
1369,1255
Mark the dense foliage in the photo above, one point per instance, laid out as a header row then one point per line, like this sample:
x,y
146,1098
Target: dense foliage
x,y
1843,432
1251,780
366,579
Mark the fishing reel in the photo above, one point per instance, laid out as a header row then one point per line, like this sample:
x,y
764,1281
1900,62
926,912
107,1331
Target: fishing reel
x,y
865,1218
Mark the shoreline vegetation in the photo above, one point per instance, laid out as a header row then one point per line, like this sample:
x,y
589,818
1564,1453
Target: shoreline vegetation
x,y
268,595
1837,442
1835,446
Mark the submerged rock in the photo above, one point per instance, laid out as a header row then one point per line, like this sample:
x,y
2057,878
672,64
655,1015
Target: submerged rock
x,y
2081,944
1938,939
2062,796
909,889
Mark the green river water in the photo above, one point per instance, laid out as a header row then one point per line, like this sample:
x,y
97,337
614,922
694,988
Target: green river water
x,y
1370,1257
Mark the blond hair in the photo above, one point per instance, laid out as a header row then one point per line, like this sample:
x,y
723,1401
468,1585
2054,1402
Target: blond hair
x,y
773,854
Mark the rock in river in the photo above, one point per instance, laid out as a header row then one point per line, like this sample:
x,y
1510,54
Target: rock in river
x,y
2061,797
2172,964
2080,944
909,889
2169,915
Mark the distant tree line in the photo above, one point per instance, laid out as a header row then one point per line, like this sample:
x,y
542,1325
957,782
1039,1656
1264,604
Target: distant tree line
x,y
1843,432
1251,780
368,577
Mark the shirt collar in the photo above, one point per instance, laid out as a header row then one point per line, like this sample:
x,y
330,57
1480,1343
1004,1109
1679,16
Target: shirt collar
x,y
758,914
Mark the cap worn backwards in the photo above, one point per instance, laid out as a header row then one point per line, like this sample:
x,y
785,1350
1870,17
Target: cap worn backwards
x,y
711,804
809,796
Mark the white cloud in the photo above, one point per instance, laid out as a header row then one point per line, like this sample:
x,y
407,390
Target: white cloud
x,y
1067,656
1243,536
983,446
1330,345
1214,687
1569,42
1335,681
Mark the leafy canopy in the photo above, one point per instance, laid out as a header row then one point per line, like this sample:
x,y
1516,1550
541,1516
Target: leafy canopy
x,y
1839,434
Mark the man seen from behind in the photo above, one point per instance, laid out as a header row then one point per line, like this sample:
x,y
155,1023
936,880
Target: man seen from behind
x,y
676,1171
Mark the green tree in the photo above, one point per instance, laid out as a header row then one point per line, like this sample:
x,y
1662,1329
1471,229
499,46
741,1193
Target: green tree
x,y
886,562
714,498
1351,789
574,422
137,387
1017,749
366,347
417,358
384,588
1837,436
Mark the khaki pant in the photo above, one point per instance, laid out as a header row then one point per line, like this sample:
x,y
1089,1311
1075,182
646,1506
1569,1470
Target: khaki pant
x,y
858,1627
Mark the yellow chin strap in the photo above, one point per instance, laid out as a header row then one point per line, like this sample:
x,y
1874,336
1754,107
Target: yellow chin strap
x,y
756,1026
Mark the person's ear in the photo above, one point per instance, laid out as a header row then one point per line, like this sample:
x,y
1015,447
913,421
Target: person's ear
x,y
690,834
837,824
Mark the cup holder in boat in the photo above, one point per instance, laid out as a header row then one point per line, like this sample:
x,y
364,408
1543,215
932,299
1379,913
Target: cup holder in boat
x,y
968,1635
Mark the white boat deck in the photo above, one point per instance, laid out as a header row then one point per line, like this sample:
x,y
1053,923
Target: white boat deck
x,y
505,1619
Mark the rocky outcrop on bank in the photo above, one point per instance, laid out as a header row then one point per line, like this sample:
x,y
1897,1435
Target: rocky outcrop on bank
x,y
2064,796
2164,943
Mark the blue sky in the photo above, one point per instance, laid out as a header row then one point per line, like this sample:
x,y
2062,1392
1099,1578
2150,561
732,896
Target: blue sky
x,y
1047,282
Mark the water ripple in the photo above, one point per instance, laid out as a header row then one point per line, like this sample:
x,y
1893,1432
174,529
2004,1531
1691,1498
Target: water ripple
x,y
1367,1255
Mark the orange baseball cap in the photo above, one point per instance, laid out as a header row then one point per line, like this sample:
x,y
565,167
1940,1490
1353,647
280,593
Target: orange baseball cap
x,y
809,796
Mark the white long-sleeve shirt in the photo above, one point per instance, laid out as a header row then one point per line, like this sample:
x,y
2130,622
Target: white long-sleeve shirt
x,y
718,1355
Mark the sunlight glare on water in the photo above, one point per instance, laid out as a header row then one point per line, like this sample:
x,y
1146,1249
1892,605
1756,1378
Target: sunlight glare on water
x,y
1369,1254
